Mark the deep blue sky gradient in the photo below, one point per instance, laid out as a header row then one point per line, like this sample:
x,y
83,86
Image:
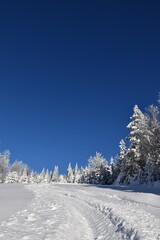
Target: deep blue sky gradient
x,y
70,74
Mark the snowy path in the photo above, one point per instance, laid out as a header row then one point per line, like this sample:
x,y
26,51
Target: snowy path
x,y
81,212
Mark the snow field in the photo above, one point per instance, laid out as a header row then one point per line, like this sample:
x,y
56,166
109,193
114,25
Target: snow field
x,y
13,198
77,212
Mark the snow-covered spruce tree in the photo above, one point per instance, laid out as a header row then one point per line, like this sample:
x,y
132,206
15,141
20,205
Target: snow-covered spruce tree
x,y
15,172
55,175
46,177
152,168
7,177
41,176
77,176
62,179
85,175
4,163
113,170
12,177
99,170
135,159
70,175
82,180
119,171
33,177
24,177
17,166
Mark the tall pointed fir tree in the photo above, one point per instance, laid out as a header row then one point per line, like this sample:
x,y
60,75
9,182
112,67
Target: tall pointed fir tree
x,y
46,177
70,175
76,174
153,159
4,165
135,159
55,175
112,168
33,177
17,166
41,176
119,173
85,176
24,177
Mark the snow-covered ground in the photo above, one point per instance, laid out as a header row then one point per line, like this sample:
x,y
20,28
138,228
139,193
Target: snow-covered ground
x,y
13,198
85,212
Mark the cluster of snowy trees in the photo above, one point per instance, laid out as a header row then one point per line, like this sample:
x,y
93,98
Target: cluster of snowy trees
x,y
97,171
140,162
21,173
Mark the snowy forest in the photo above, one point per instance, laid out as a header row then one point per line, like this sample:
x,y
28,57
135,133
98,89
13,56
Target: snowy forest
x,y
138,163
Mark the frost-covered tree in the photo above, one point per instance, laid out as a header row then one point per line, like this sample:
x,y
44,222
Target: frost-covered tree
x,y
47,177
152,168
4,163
17,166
55,175
77,175
120,167
70,175
50,175
135,158
62,179
15,172
112,170
33,177
85,176
41,176
98,169
122,154
12,177
24,177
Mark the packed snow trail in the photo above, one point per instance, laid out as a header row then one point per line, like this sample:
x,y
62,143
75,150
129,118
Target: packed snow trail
x,y
84,212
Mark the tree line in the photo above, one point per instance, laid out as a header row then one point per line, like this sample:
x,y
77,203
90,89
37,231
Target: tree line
x,y
139,162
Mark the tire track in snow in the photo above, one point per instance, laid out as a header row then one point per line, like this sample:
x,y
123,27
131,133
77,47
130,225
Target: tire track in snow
x,y
47,217
67,212
104,223
128,217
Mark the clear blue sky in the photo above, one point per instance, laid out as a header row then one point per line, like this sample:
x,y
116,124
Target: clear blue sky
x,y
70,74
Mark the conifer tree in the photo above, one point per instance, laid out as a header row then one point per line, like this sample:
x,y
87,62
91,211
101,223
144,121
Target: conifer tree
x,y
121,158
55,175
41,176
136,153
76,174
4,165
70,175
33,177
47,177
24,177
152,167
112,170
99,170
12,177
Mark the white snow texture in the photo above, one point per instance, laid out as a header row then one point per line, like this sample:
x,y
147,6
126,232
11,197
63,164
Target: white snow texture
x,y
80,212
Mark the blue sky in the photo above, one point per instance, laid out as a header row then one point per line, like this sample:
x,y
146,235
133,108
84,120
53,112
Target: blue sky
x,y
70,74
